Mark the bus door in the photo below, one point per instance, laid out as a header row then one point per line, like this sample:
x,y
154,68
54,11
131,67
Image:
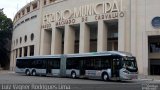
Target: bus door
x,y
49,66
82,67
115,67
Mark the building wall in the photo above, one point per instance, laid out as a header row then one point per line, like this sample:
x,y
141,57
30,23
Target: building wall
x,y
28,27
133,29
151,12
142,13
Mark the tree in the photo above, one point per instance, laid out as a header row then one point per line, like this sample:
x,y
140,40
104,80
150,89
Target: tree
x,y
6,27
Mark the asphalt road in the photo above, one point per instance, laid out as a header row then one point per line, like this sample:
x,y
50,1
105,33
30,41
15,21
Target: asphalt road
x,y
11,80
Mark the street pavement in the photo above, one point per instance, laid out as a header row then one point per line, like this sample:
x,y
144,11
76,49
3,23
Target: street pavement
x,y
11,78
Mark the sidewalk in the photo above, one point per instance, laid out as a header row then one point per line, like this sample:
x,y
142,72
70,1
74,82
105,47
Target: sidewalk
x,y
149,77
5,71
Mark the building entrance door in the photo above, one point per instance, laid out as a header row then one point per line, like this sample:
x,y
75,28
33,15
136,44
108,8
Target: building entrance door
x,y
154,54
154,67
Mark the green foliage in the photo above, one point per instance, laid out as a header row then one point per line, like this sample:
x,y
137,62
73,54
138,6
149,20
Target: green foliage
x,y
6,27
5,23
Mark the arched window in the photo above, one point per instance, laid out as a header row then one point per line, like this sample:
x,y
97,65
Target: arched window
x,y
20,40
16,41
32,37
25,38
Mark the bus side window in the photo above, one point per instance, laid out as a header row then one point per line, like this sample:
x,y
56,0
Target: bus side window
x,y
89,63
98,64
43,64
72,63
68,64
35,64
56,64
19,64
105,63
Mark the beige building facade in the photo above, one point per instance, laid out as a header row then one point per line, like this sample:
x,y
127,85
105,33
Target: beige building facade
x,y
46,27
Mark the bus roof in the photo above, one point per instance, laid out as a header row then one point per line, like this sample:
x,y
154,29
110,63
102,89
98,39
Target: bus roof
x,y
104,53
42,56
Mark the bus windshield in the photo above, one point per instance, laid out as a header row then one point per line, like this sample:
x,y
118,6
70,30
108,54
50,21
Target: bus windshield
x,y
130,64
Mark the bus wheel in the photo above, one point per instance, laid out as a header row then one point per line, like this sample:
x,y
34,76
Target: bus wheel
x,y
105,77
27,72
73,75
34,72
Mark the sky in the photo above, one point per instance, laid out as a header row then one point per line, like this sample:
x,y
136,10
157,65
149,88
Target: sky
x,y
12,6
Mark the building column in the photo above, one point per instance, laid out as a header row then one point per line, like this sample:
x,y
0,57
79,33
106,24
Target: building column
x,y
14,65
18,51
25,11
102,36
46,36
14,60
41,42
145,54
28,51
38,4
69,40
47,2
84,38
133,26
31,7
121,34
11,61
22,52
113,46
56,46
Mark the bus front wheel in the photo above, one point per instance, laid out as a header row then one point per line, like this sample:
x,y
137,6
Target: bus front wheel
x,y
73,75
105,77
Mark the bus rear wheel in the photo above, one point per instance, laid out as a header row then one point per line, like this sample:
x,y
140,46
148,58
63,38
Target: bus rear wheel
x,y
34,72
73,75
105,77
27,72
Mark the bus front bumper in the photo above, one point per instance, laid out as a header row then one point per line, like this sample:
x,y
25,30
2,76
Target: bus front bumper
x,y
129,76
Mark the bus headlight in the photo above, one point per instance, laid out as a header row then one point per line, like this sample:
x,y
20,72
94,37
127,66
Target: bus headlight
x,y
126,71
